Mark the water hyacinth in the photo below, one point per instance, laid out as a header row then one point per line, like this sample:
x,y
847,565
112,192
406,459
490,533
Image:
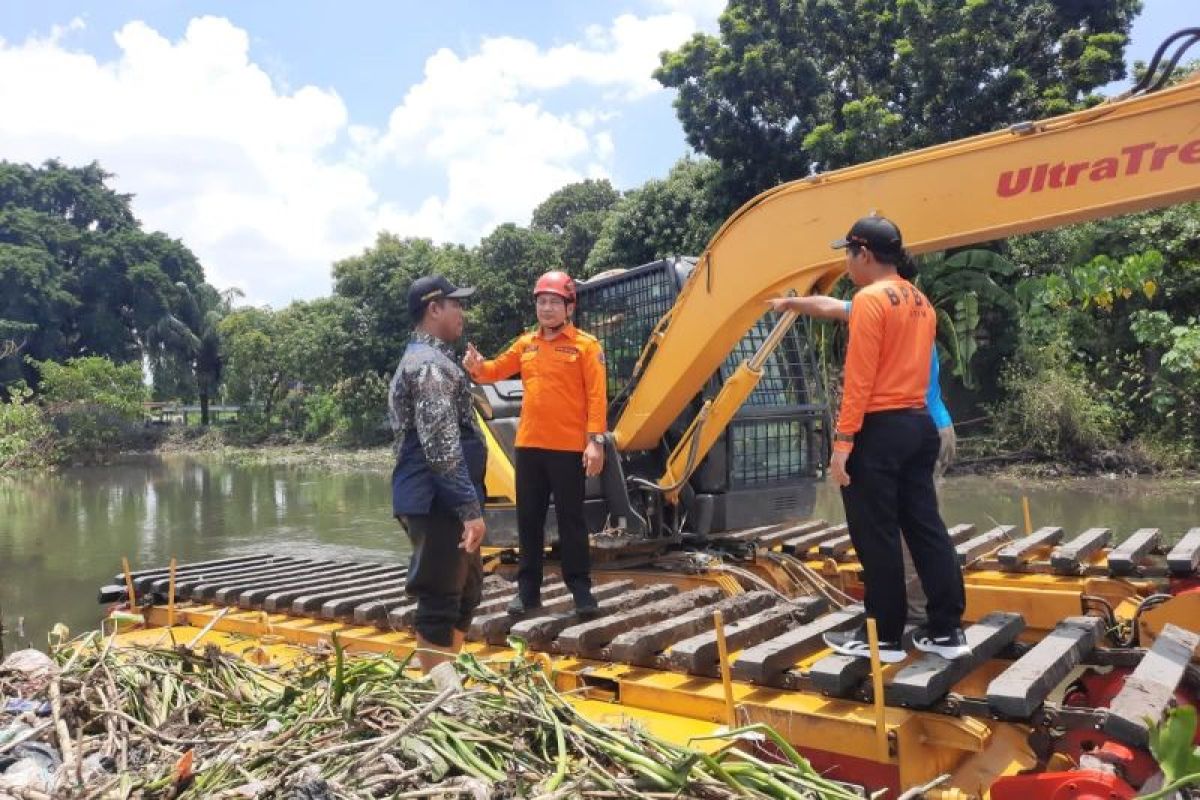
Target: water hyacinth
x,y
133,722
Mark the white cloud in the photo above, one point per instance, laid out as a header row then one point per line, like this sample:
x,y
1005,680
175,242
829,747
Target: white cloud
x,y
704,12
269,185
482,118
213,152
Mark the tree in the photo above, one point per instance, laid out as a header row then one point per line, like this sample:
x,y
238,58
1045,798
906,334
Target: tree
x,y
94,380
972,293
575,214
507,264
254,373
674,216
375,286
790,83
315,339
1119,295
92,403
82,278
209,308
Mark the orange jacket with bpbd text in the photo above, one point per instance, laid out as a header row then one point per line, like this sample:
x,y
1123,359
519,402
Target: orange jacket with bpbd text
x,y
892,327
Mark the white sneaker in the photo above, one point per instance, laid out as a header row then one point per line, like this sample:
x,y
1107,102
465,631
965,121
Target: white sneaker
x,y
445,676
952,646
854,643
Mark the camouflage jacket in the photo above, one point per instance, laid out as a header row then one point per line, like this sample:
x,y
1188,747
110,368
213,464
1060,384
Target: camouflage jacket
x,y
439,448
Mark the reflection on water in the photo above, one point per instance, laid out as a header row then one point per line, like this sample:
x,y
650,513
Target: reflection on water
x,y
62,536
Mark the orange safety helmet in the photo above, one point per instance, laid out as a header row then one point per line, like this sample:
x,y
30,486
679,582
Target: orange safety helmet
x,y
556,282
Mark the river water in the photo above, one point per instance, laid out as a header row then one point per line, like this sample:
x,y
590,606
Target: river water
x,y
62,536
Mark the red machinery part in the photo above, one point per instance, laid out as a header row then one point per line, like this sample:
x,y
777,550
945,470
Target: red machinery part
x,y
1094,689
1135,766
1074,785
1188,585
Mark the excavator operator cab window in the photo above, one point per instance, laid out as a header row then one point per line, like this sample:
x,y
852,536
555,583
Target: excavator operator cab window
x,y
772,452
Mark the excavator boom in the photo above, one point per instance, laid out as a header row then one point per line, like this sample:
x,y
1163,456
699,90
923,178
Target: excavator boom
x,y
1127,155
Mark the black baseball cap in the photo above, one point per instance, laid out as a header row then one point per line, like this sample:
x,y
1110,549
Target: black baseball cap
x,y
426,289
877,234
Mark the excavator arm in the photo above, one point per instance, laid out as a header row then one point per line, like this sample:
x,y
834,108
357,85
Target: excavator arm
x,y
1127,155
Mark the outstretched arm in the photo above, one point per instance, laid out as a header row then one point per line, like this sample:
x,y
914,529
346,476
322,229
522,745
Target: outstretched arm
x,y
816,306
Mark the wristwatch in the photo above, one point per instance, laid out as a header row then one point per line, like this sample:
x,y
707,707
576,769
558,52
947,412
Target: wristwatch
x,y
596,438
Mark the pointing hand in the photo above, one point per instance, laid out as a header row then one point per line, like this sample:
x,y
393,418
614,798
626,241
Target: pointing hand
x,y
472,360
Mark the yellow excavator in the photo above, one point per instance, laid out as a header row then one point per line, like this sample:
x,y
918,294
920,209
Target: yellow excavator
x,y
715,590
719,420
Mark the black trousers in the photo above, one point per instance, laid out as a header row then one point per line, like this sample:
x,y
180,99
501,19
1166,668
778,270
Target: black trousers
x,y
542,474
891,494
446,580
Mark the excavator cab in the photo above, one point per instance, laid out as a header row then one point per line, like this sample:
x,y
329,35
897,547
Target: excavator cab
x,y
763,468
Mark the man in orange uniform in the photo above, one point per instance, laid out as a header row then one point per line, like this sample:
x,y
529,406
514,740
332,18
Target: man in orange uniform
x,y
885,449
560,438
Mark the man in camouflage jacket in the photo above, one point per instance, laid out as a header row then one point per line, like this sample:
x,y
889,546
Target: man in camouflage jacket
x,y
437,484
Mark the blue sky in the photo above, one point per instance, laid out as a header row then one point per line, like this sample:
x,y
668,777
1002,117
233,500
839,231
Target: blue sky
x,y
274,138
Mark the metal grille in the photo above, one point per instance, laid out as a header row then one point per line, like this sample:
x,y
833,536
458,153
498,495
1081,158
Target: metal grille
x,y
766,451
621,312
789,375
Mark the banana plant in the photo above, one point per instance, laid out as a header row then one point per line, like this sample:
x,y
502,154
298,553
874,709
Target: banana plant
x,y
962,287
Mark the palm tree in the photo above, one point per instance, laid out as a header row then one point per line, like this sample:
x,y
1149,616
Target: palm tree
x,y
208,364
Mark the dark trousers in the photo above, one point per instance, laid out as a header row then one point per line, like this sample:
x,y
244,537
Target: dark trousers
x,y
542,474
446,580
891,493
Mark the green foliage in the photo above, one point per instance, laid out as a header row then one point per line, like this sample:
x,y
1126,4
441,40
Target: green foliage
x,y
663,218
1101,282
1051,409
314,339
575,214
96,380
374,286
26,437
254,375
1171,743
321,415
1164,378
1122,292
82,278
362,408
94,405
971,291
791,82
508,263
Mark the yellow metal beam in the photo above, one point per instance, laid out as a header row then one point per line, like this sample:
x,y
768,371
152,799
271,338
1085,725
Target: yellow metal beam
x,y
500,478
964,192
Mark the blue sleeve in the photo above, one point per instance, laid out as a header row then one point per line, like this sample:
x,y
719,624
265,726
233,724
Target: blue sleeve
x,y
847,305
933,395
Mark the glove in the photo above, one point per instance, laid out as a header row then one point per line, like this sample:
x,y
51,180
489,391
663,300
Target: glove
x,y
947,451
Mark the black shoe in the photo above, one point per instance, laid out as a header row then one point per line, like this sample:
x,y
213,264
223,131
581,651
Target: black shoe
x,y
951,646
518,607
586,607
854,643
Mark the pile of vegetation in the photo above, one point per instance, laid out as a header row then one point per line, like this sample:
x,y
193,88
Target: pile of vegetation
x,y
104,722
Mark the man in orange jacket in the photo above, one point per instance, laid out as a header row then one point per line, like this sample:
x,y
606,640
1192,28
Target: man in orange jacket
x,y
560,438
885,449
